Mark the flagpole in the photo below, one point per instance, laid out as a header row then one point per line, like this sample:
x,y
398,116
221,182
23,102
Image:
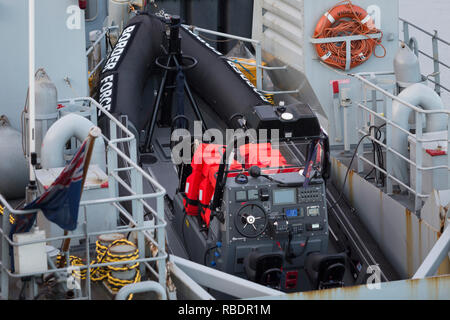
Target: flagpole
x,y
31,189
93,134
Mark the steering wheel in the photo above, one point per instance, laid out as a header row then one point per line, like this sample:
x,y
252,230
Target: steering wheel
x,y
251,220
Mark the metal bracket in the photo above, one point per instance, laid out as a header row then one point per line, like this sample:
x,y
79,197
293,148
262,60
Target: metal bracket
x,y
347,40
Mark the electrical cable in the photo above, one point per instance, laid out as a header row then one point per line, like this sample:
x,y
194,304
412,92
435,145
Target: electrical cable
x,y
108,40
213,40
348,169
272,179
25,281
183,236
289,255
207,251
377,154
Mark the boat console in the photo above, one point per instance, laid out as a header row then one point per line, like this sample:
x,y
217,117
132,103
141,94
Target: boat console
x,y
268,223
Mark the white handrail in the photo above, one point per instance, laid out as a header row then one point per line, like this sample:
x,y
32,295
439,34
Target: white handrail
x,y
362,130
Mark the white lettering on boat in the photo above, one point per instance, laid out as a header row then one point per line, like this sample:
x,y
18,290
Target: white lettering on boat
x,y
119,48
106,92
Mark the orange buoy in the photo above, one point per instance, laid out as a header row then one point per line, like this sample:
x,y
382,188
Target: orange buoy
x,y
346,19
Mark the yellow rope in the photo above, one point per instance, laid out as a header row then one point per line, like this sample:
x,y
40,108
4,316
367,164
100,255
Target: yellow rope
x,y
269,97
76,262
104,255
11,218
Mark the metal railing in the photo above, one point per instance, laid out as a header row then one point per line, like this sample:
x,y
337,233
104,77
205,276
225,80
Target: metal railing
x,y
258,57
90,54
348,40
367,115
435,40
135,219
438,253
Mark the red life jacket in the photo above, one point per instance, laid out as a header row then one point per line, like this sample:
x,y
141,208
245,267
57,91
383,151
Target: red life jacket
x,y
262,155
204,156
201,183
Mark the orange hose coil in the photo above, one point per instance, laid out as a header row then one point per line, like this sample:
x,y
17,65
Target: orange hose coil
x,y
346,19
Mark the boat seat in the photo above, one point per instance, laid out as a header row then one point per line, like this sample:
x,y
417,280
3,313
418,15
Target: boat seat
x,y
264,268
325,270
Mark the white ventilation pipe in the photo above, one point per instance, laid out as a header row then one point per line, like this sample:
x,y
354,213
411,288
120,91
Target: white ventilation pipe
x,y
422,96
118,13
71,125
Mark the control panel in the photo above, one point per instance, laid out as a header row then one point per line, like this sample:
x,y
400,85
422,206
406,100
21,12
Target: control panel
x,y
279,215
271,211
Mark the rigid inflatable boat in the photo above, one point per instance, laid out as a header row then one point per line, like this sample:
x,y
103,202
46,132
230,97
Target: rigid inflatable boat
x,y
244,215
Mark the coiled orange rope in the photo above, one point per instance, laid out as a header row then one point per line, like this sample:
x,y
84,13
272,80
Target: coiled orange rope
x,y
349,20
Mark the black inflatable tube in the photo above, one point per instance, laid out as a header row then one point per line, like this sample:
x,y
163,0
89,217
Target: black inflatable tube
x,y
127,69
218,81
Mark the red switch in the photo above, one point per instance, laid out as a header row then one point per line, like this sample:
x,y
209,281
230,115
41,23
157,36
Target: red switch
x,y
82,4
335,87
104,185
436,152
291,280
